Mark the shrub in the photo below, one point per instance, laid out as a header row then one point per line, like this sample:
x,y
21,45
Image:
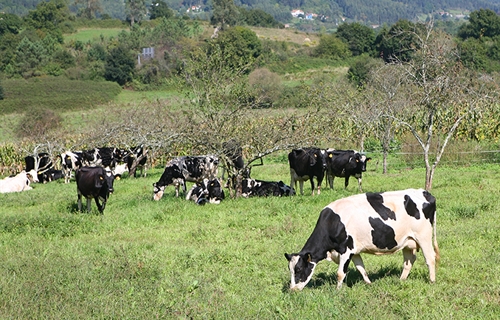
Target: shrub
x,y
37,123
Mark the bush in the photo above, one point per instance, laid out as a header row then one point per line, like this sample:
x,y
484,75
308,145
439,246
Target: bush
x,y
37,123
266,87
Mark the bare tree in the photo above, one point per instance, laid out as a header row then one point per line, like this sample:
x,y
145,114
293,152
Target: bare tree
x,y
441,93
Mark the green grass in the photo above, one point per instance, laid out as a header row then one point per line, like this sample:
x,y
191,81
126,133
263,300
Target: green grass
x,y
172,259
55,93
85,35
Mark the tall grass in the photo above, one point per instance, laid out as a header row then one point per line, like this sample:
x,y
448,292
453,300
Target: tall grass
x,y
55,93
173,259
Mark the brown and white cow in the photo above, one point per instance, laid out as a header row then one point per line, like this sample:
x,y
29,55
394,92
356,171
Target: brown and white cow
x,y
375,223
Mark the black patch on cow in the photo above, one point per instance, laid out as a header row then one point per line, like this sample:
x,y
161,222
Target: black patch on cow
x,y
303,268
411,207
383,236
376,201
329,233
345,268
429,209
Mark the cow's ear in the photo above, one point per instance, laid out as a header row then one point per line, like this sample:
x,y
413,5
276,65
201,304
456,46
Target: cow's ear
x,y
308,256
99,179
368,159
288,256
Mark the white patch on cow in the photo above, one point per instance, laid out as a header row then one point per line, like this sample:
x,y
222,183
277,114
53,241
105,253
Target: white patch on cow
x,y
291,265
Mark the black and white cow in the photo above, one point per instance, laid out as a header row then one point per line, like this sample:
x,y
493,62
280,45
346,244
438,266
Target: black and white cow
x,y
51,175
135,159
96,183
71,161
186,168
260,188
206,191
345,163
375,223
305,164
40,164
105,157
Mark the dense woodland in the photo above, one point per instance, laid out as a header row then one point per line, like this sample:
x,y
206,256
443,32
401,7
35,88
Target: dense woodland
x,y
365,11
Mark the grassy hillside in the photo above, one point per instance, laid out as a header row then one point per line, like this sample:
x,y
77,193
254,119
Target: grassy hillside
x,y
173,259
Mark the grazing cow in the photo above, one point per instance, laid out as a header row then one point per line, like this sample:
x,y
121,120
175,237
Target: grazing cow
x,y
187,168
206,191
345,163
375,223
41,164
94,182
305,164
137,158
51,175
18,183
260,188
71,161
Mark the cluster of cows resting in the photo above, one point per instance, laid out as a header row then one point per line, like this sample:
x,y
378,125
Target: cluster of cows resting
x,y
305,164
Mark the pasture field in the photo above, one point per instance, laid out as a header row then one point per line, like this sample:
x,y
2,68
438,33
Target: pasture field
x,y
173,259
85,35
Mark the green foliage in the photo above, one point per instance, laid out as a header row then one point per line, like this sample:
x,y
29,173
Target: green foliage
x,y
48,15
330,46
360,38
120,64
57,94
136,9
239,45
482,23
9,23
160,9
266,87
257,18
2,95
225,13
399,41
473,54
360,70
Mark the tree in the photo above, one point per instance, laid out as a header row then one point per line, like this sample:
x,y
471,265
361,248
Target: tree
x,y
360,38
330,46
225,13
482,23
160,9
136,9
240,46
399,41
441,93
9,23
90,8
120,65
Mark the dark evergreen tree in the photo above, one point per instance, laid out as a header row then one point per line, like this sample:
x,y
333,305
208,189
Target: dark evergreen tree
x,y
159,9
360,38
120,65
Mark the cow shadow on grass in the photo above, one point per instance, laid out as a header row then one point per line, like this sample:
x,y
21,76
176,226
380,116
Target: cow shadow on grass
x,y
352,278
73,208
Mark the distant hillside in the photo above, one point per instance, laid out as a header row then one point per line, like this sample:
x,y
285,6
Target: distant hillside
x,y
329,12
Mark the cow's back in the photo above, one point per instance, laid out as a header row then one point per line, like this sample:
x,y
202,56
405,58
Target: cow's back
x,y
381,222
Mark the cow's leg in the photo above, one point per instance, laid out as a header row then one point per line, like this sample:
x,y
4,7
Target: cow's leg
x,y
312,186
293,182
89,204
301,186
358,262
358,176
409,257
344,261
346,183
430,257
329,179
99,206
79,202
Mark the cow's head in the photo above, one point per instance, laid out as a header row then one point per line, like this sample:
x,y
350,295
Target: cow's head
x,y
158,191
317,157
32,175
105,180
215,191
301,269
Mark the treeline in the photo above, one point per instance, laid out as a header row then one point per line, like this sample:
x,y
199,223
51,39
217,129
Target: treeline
x,y
365,11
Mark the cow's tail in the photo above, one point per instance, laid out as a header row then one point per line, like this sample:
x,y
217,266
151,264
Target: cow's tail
x,y
436,248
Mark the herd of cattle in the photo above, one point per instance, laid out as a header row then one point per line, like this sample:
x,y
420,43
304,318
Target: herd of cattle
x,y
375,223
